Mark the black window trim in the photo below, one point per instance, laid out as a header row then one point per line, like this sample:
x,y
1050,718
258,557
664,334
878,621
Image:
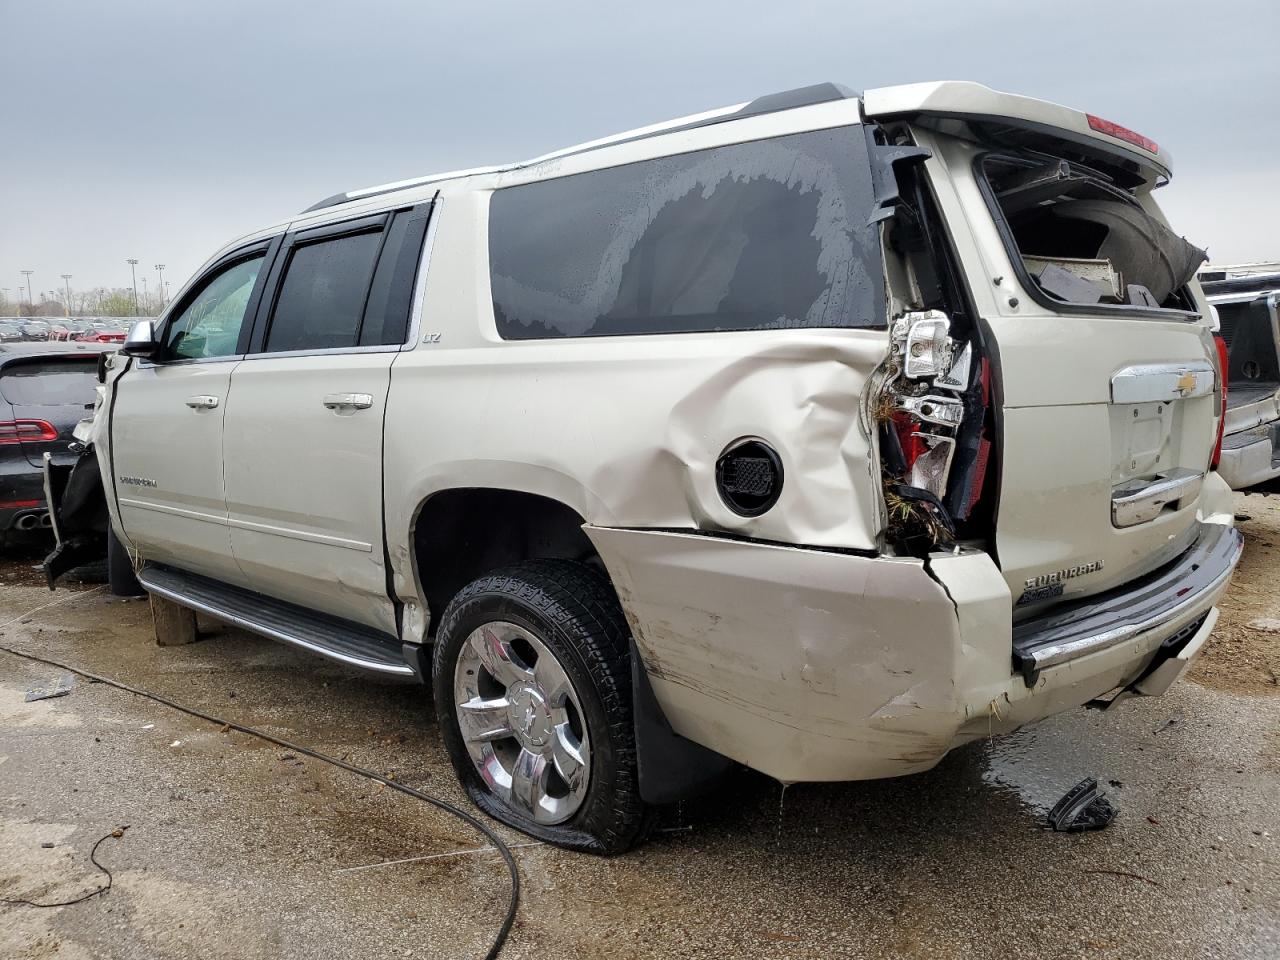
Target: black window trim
x,y
293,239
269,249
1029,284
366,223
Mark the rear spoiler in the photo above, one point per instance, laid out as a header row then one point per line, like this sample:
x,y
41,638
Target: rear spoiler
x,y
981,106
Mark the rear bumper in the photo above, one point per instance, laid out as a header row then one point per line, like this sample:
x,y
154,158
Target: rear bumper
x,y
816,665
21,495
1251,456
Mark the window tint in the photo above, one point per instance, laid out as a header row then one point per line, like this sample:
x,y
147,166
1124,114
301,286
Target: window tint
x,y
209,326
386,318
323,293
51,382
752,236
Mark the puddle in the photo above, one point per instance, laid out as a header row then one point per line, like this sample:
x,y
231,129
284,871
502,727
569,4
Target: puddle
x,y
1038,764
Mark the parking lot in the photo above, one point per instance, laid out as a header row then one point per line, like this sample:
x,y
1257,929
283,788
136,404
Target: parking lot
x,y
236,848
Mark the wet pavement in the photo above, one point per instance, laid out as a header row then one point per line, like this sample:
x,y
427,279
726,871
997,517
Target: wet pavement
x,y
239,849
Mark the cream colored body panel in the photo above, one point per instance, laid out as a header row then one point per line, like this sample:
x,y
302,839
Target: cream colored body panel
x,y
303,502
794,642
1065,444
809,665
168,465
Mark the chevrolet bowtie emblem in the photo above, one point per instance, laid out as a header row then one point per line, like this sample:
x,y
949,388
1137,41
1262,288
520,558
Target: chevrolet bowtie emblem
x,y
1186,383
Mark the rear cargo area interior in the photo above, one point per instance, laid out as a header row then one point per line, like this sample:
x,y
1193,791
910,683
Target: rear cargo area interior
x,y
1084,240
1253,370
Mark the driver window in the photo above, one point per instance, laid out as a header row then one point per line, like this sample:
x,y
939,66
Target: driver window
x,y
210,324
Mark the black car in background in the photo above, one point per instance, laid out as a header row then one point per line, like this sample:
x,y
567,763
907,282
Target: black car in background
x,y
45,390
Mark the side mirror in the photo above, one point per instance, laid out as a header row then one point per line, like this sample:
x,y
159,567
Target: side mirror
x,y
141,341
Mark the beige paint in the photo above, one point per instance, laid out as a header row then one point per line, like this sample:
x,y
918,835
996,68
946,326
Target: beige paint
x,y
810,665
827,659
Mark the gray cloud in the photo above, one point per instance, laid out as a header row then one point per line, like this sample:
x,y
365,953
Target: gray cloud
x,y
159,131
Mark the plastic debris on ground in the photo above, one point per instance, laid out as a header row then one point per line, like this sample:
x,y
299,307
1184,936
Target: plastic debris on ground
x,y
64,685
1082,808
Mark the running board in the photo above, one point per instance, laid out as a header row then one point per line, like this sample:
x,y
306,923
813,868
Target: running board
x,y
341,640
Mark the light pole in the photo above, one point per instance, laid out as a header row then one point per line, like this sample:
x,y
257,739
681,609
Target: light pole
x,y
66,307
30,299
160,283
133,269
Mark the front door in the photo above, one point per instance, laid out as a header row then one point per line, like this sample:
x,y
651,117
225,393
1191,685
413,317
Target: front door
x,y
167,420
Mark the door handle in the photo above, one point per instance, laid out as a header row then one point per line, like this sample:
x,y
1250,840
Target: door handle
x,y
349,401
202,403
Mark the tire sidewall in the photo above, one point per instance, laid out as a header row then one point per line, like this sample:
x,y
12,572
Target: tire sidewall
x,y
493,605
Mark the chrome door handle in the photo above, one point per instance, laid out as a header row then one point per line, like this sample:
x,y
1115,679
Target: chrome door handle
x,y
202,403
351,401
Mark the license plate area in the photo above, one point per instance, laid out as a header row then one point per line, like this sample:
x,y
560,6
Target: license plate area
x,y
1143,439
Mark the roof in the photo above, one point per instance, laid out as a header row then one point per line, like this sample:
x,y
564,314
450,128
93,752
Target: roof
x,y
771,103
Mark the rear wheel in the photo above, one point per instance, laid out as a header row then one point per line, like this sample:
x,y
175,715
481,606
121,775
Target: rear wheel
x,y
120,575
533,692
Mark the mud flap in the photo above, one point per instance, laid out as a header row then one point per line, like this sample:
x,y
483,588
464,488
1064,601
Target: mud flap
x,y
78,510
671,767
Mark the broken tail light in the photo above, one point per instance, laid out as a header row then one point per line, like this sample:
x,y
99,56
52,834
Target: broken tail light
x,y
1122,133
29,431
1221,344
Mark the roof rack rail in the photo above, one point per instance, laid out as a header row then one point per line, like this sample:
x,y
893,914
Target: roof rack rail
x,y
769,103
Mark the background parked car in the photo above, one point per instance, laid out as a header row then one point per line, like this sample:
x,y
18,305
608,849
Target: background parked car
x,y
45,390
1246,300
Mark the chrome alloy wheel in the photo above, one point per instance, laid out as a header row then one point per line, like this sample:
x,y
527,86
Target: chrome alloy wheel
x,y
522,722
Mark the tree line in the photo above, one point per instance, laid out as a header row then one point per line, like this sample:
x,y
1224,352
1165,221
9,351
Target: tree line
x,y
97,302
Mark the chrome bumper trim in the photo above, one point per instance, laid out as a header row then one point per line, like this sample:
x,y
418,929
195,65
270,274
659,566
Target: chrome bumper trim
x,y
1097,623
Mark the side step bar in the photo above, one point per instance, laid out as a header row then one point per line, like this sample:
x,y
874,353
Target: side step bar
x,y
341,640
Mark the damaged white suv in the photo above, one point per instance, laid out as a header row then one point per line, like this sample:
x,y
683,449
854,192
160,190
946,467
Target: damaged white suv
x,y
820,434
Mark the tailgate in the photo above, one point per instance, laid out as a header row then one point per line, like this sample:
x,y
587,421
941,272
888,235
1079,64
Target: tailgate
x,y
1107,394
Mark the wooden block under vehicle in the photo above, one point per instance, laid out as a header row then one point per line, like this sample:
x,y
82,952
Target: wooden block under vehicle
x,y
174,624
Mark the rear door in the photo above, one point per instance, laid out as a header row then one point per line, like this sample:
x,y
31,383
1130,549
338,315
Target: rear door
x,y
1107,409
167,417
304,423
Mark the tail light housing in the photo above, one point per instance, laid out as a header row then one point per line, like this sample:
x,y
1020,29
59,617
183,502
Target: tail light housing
x,y
27,431
1222,379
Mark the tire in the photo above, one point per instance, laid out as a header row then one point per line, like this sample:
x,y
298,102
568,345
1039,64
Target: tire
x,y
120,575
555,735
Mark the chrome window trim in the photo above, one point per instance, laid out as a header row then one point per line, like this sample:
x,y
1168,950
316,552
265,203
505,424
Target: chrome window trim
x,y
230,358
420,286
323,351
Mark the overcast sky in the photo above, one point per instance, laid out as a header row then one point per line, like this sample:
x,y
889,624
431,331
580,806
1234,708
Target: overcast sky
x,y
161,130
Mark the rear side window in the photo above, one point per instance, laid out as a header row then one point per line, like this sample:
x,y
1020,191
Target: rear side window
x,y
50,382
763,235
323,293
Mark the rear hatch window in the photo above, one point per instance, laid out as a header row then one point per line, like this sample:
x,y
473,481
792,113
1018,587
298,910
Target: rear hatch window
x,y
1082,240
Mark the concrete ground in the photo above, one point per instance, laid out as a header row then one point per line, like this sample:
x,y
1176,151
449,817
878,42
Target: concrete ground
x,y
238,849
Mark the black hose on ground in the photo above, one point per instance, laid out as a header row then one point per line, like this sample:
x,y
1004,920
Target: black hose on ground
x,y
463,815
